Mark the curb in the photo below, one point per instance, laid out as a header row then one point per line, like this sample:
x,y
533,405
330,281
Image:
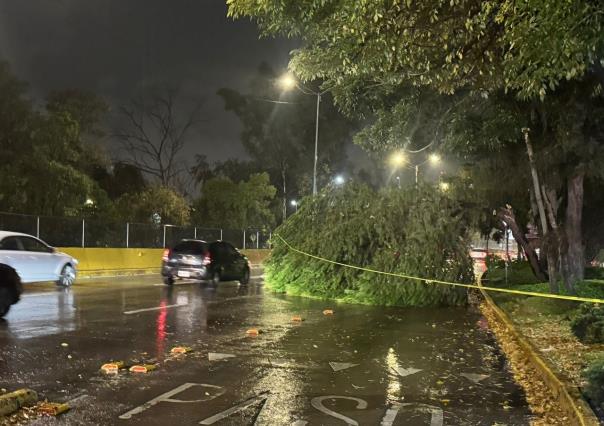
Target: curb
x,y
568,396
11,402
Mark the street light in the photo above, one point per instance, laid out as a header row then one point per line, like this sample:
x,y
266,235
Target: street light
x,y
398,159
339,180
434,159
89,202
288,82
294,203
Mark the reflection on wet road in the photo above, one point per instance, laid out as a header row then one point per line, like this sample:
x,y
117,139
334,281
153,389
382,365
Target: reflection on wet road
x,y
361,365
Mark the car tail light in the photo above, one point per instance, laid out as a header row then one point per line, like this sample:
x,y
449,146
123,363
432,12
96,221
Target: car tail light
x,y
207,259
166,255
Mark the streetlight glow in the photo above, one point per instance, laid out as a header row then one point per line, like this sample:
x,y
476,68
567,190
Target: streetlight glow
x,y
434,159
398,159
444,186
294,203
339,180
287,82
89,202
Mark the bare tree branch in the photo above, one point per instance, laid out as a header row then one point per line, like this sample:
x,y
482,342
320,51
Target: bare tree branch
x,y
153,137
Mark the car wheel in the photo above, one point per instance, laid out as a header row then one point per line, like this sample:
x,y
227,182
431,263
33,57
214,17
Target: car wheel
x,y
216,278
245,277
67,277
169,280
10,288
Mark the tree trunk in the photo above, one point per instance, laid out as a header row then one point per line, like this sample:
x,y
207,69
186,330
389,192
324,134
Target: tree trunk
x,y
537,187
284,193
575,260
551,244
507,215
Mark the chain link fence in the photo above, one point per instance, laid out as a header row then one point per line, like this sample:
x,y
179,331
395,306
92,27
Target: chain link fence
x,y
78,232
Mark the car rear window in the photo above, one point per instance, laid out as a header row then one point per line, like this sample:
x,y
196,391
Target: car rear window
x,y
190,247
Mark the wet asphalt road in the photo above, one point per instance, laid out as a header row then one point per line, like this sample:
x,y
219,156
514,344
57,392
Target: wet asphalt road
x,y
362,365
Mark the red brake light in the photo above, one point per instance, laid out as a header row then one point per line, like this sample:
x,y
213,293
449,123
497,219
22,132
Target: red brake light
x,y
166,255
207,259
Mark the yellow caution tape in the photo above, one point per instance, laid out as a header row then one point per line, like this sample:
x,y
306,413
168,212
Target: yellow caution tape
x,y
434,281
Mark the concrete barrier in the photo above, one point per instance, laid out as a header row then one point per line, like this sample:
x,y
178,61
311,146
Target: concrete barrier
x,y
130,261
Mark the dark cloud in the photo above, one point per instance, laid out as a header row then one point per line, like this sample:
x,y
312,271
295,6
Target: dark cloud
x,y
118,47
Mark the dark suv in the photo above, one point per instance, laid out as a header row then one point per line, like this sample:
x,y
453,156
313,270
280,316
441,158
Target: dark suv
x,y
199,260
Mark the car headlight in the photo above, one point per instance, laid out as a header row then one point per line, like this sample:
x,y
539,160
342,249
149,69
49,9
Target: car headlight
x,y
74,261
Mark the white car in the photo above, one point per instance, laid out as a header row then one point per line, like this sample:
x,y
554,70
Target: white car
x,y
35,261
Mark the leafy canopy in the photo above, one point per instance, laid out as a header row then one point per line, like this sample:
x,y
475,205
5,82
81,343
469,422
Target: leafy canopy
x,y
526,46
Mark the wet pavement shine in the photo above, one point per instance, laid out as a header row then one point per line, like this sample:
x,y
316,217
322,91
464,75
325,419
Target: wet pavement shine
x,y
362,365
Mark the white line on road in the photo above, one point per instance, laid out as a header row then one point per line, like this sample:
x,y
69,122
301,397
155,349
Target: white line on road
x,y
155,309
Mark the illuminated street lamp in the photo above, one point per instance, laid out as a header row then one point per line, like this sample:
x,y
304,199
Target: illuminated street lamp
x,y
288,82
339,180
89,202
444,186
294,203
397,159
434,159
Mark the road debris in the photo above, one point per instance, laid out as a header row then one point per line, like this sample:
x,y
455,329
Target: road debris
x,y
180,350
143,368
11,402
53,408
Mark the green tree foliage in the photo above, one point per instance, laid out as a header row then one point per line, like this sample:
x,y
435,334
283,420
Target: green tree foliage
x,y
227,204
419,233
538,62
279,132
84,107
169,204
526,47
44,162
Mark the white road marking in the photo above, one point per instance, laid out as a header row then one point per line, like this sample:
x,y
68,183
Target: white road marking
x,y
318,404
404,372
337,366
213,356
239,407
157,308
476,378
167,397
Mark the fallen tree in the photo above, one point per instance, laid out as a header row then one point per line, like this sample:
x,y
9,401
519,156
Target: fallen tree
x,y
417,232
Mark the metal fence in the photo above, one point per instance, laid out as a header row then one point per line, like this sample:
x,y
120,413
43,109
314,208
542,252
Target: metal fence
x,y
78,232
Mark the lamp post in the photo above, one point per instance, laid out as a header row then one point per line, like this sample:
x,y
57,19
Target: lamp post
x,y
288,82
399,159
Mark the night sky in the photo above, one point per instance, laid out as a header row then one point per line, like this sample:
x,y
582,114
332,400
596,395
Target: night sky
x,y
117,47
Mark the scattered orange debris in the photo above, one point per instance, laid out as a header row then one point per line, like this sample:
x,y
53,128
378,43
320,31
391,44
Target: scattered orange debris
x,y
327,312
297,318
52,408
253,332
144,368
112,367
179,350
